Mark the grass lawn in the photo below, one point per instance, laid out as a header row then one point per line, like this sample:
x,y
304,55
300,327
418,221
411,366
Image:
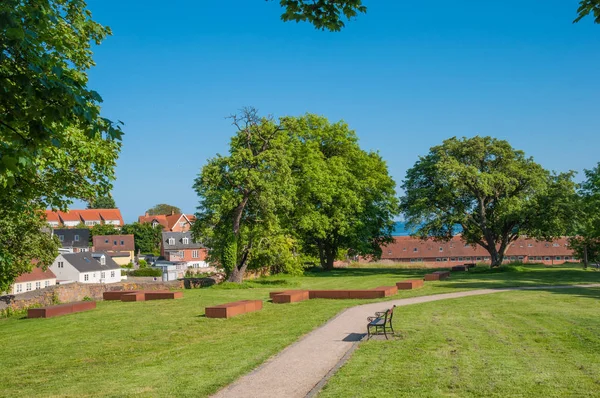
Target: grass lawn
x,y
514,344
166,348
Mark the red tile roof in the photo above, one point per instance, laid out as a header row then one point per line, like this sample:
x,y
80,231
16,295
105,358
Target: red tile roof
x,y
168,221
37,274
85,215
404,248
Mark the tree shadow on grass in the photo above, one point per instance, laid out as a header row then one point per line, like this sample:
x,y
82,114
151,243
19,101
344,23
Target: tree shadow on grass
x,y
362,272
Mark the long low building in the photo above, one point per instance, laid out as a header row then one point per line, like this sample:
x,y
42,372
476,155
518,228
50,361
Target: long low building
x,y
407,249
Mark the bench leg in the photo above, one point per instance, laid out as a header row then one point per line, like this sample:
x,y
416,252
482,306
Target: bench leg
x,y
385,332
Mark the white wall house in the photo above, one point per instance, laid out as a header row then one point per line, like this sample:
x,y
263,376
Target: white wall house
x,y
86,267
34,280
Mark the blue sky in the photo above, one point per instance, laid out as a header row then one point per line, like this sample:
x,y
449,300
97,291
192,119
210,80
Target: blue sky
x,y
405,76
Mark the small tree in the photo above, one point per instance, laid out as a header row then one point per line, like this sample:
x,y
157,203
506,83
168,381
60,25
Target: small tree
x,y
147,239
163,208
492,191
102,202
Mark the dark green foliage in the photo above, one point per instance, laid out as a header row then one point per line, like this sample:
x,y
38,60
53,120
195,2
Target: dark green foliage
x,y
102,202
142,264
54,143
163,208
323,14
146,272
491,190
147,239
587,7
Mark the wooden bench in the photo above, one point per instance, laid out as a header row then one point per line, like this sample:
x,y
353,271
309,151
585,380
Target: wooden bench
x,y
289,296
381,321
116,295
232,309
61,309
437,276
459,268
409,284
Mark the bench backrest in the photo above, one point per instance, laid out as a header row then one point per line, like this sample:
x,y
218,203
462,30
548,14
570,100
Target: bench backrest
x,y
389,314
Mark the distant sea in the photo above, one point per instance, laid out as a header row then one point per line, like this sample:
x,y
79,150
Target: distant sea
x,y
400,229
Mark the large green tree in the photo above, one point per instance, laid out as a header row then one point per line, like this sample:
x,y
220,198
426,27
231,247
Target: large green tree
x,y
54,143
242,196
163,208
492,191
585,241
345,200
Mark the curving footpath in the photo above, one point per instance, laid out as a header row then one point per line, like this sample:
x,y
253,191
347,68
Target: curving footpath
x,y
301,369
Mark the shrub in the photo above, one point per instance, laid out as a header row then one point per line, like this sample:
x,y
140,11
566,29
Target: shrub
x,y
87,298
146,272
143,263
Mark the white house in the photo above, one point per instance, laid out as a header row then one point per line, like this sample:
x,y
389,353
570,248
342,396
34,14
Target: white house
x,y
34,280
86,267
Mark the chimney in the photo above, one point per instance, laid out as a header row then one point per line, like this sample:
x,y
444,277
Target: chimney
x,y
146,215
172,212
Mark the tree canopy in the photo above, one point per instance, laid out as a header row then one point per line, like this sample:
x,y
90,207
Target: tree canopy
x,y
330,14
147,239
344,201
242,195
492,191
585,241
163,208
55,146
102,202
292,191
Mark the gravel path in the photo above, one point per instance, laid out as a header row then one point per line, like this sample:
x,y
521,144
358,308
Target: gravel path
x,y
301,369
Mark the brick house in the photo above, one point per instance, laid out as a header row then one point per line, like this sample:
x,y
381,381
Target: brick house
x,y
179,247
121,248
170,222
406,249
34,280
88,217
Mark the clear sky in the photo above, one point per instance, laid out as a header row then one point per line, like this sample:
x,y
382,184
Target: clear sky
x,y
405,76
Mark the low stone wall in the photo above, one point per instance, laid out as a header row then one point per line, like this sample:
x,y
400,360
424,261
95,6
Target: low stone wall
x,y
72,292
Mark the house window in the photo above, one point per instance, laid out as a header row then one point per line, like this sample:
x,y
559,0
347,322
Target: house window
x,y
513,258
47,283
520,257
438,259
112,274
185,241
102,260
195,253
467,258
61,238
171,241
19,288
460,259
530,245
38,285
102,275
86,277
478,259
182,224
558,257
154,224
61,264
444,259
28,286
486,259
122,243
76,238
452,259
114,242
404,249
555,245
547,258
105,240
441,249
415,249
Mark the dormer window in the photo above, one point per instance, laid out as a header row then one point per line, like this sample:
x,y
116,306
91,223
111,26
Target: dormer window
x,y
186,241
114,242
76,238
415,250
182,224
103,260
171,241
154,223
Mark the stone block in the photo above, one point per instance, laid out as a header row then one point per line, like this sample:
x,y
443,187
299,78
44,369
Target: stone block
x,y
135,296
163,295
409,284
62,309
229,310
291,296
116,295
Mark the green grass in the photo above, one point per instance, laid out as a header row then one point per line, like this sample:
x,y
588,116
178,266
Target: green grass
x,y
513,344
167,348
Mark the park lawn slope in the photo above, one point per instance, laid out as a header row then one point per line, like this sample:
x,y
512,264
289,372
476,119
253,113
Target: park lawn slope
x,y
167,348
527,343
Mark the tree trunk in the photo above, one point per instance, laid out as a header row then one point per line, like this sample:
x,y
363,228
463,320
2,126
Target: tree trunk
x,y
327,256
585,257
237,275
